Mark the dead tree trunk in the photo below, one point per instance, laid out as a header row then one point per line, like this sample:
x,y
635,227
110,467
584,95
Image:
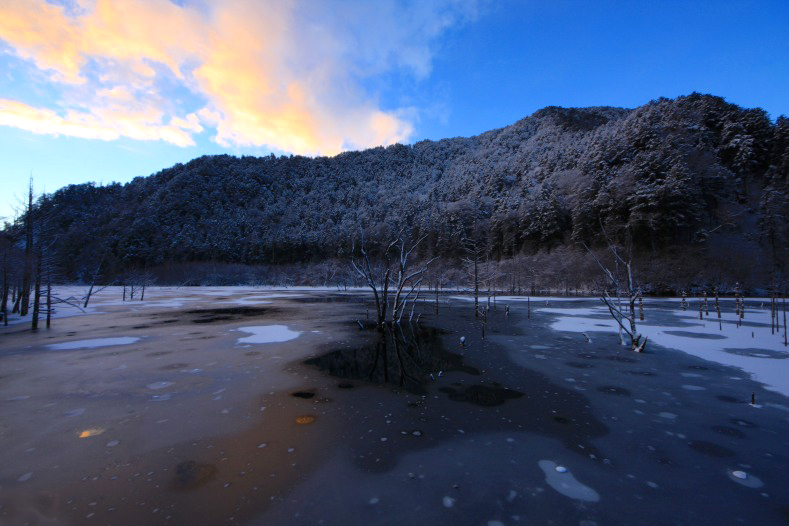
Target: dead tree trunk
x,y
378,281
388,274
93,279
6,287
474,258
28,270
626,320
49,294
37,296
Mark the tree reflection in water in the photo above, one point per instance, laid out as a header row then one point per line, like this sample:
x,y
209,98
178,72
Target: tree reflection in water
x,y
403,355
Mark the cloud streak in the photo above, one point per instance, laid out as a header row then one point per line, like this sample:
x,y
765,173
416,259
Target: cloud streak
x,y
283,74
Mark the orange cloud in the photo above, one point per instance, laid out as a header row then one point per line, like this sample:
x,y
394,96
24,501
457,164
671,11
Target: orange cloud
x,y
288,75
105,124
45,121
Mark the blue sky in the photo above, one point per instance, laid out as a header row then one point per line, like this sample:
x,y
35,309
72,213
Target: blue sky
x,y
101,91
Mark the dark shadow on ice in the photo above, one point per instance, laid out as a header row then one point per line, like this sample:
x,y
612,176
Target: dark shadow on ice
x,y
711,449
481,394
226,314
728,431
614,390
759,353
697,335
437,393
303,394
404,356
192,475
330,298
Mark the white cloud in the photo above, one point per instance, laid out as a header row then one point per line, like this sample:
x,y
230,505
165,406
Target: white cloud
x,y
288,75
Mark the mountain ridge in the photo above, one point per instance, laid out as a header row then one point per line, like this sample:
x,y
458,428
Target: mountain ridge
x,y
694,174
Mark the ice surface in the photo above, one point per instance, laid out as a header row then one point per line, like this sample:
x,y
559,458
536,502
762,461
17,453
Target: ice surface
x,y
489,468
267,334
92,344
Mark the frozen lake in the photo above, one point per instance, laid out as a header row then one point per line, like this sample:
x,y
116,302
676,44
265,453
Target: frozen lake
x,y
252,406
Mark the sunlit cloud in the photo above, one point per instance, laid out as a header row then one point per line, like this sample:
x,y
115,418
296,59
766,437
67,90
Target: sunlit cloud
x,y
286,75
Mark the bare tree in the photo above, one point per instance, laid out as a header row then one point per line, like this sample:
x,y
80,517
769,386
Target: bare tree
x,y
44,241
37,289
392,273
6,246
625,317
474,260
29,256
94,277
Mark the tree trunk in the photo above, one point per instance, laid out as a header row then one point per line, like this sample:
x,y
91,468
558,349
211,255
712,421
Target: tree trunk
x,y
28,270
476,288
6,286
37,297
93,283
49,295
87,297
17,301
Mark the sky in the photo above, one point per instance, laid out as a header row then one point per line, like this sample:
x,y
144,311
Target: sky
x,y
108,90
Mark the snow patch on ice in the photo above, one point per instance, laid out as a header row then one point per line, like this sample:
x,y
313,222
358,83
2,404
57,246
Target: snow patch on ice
x,y
267,334
746,479
92,344
723,343
159,385
565,483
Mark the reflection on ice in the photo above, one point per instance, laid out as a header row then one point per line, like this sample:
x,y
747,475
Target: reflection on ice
x,y
267,334
92,432
92,344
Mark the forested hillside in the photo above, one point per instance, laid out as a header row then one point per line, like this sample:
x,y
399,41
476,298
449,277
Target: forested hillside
x,y
697,187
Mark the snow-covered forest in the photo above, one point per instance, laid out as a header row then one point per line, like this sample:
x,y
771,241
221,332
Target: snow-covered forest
x,y
695,186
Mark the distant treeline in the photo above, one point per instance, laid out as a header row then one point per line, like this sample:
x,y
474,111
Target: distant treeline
x,y
695,187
